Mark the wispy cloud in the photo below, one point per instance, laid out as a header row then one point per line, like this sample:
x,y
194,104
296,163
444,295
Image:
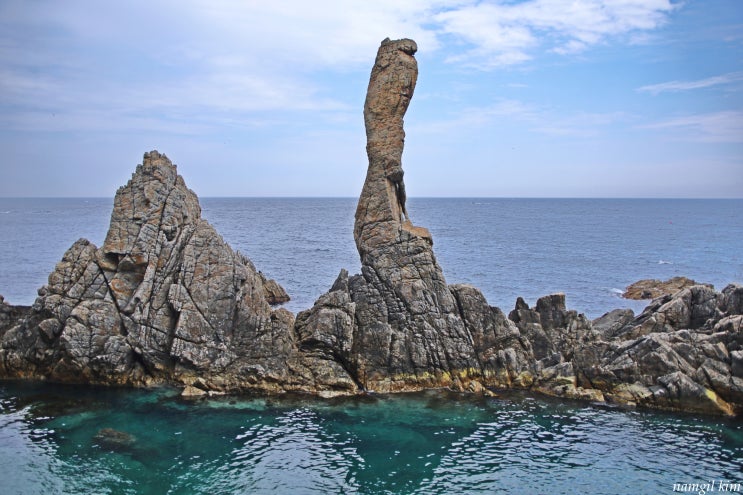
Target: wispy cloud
x,y
535,118
505,33
714,127
478,117
675,86
580,124
223,61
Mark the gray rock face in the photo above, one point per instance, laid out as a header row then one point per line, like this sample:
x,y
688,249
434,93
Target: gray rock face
x,y
682,353
164,299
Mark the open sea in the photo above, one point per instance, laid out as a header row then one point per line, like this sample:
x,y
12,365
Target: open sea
x,y
53,438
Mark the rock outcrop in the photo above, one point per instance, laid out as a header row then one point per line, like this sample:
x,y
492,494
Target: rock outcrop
x,y
683,353
653,288
166,300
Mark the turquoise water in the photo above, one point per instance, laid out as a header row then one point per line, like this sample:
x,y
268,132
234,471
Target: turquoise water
x,y
433,442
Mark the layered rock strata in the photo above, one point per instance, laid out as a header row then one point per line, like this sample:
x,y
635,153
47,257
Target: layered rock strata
x,y
166,300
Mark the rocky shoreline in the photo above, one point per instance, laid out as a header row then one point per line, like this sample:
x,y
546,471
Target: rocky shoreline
x,y
165,300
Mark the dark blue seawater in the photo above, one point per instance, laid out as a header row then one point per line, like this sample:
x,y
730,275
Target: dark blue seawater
x,y
590,249
434,442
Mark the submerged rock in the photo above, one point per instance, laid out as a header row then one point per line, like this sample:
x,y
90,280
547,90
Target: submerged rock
x,y
114,440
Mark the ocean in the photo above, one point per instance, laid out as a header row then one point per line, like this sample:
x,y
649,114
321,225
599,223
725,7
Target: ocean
x,y
433,442
589,249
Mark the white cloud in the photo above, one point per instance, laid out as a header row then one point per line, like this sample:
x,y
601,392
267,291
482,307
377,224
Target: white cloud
x,y
580,124
506,33
675,86
223,61
478,117
714,127
335,33
536,119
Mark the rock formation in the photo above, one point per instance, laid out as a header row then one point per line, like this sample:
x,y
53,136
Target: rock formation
x,y
682,353
166,300
398,326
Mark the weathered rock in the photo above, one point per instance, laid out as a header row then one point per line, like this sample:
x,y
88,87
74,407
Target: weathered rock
x,y
690,308
653,288
191,391
681,353
610,323
274,293
503,353
551,328
10,314
398,326
164,299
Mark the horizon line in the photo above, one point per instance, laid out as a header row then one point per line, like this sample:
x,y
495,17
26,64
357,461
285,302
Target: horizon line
x,y
415,197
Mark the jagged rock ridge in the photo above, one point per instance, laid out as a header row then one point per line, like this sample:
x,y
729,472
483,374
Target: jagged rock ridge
x,y
164,299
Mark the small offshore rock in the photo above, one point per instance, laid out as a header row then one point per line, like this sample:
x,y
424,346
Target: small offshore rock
x,y
653,288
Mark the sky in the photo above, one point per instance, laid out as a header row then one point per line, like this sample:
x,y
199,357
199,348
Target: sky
x,y
533,98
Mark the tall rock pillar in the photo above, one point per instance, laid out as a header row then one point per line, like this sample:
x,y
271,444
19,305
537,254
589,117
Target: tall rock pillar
x,y
400,322
398,326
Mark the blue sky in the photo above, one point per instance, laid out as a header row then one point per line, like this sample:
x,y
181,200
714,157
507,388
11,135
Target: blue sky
x,y
535,98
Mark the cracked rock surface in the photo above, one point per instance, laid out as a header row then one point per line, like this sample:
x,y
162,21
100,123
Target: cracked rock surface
x,y
164,299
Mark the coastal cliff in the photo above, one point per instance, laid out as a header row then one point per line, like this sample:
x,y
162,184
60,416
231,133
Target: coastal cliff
x,y
165,300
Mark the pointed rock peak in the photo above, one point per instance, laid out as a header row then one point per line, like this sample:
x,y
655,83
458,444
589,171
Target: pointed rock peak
x,y
155,200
